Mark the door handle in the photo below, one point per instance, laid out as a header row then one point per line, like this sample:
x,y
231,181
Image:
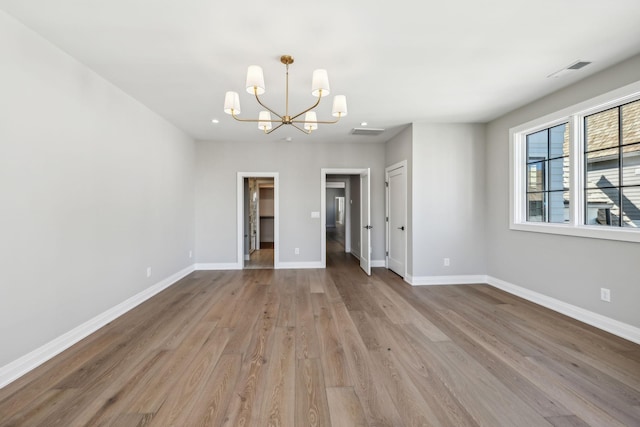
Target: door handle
x,y
401,228
368,227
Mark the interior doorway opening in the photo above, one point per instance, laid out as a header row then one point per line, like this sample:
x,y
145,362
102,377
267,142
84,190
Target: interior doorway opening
x,y
336,215
258,228
346,214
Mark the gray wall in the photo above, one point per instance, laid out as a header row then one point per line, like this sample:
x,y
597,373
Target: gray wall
x,y
571,269
398,149
95,188
299,165
447,199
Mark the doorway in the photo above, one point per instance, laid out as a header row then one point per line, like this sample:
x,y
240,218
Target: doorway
x,y
336,216
258,225
396,217
356,213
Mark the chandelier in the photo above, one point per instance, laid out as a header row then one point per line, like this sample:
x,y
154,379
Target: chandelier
x,y
255,86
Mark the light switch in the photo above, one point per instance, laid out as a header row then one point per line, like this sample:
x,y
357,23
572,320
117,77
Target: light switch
x,y
315,214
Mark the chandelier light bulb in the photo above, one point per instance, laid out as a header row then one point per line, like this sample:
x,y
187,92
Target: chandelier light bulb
x,y
255,79
339,106
310,121
232,103
264,121
320,81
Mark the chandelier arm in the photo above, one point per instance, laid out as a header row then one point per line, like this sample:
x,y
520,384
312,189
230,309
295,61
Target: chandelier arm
x,y
300,129
248,120
310,108
320,122
254,120
255,92
274,128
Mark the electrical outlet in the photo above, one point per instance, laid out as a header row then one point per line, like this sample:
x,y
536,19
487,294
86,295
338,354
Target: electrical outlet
x,y
148,271
190,254
297,251
605,294
447,262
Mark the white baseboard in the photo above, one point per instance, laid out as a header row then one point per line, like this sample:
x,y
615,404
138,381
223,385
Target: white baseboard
x,y
378,263
247,257
298,265
445,280
219,266
32,360
608,324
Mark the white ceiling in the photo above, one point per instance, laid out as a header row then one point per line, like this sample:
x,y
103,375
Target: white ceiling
x,y
400,62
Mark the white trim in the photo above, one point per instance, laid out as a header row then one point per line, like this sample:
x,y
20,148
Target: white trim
x,y
240,215
378,263
219,266
469,279
572,115
299,265
32,360
599,321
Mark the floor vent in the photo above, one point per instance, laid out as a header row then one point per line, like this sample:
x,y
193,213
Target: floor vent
x,y
367,131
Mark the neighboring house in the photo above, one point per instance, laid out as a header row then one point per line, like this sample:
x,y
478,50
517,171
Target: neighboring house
x,y
612,170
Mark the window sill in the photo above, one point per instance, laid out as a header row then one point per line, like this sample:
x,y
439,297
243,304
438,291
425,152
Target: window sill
x,y
591,232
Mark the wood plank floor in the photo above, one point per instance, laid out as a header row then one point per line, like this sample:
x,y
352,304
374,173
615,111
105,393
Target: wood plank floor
x,y
333,347
260,259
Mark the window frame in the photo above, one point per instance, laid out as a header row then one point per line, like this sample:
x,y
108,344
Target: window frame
x,y
574,117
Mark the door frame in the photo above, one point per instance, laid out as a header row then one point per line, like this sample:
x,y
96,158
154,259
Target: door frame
x,y
401,164
241,213
323,206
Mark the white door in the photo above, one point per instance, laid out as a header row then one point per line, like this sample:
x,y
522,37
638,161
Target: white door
x,y
365,221
396,222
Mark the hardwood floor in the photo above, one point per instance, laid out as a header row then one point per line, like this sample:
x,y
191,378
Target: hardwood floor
x,y
333,347
260,259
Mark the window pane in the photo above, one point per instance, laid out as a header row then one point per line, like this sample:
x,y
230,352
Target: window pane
x,y
559,174
535,176
631,123
537,146
631,207
631,167
602,130
535,207
559,206
603,207
559,141
602,172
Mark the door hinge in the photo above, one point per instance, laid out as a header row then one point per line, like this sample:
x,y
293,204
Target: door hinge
x,y
387,253
386,184
387,219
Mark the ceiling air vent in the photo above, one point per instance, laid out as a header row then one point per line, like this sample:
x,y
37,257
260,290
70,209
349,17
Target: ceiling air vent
x,y
578,65
367,131
568,69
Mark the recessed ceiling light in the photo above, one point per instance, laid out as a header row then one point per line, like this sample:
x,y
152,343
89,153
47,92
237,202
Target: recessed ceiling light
x,y
364,124
215,121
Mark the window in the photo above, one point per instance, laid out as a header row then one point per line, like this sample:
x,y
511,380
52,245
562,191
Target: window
x,y
612,171
548,175
577,171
